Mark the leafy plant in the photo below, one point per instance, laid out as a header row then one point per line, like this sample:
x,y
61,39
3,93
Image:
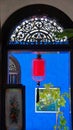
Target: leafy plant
x,y
66,32
49,96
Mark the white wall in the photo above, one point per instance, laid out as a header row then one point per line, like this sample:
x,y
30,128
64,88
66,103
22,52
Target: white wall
x,y
10,6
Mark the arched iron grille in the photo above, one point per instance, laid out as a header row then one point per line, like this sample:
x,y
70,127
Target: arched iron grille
x,y
37,30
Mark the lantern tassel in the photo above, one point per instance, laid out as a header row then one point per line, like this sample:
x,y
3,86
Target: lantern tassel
x,y
38,84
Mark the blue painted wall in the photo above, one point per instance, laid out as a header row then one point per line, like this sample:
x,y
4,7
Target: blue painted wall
x,y
57,73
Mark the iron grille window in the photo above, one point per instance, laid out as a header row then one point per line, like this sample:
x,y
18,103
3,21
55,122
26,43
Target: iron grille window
x,y
13,78
37,31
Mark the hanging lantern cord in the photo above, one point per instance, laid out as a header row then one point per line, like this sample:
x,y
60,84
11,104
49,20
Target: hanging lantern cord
x,y
38,84
39,56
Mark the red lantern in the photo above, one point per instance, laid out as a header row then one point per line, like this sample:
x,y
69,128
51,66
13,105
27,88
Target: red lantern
x,y
38,69
38,72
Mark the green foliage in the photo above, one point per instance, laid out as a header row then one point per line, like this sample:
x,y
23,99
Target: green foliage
x,y
47,97
66,32
62,124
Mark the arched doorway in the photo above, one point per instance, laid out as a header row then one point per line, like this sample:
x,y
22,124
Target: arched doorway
x,y
13,71
36,40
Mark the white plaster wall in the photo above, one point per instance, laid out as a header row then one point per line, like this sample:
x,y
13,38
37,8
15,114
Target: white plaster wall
x,y
10,6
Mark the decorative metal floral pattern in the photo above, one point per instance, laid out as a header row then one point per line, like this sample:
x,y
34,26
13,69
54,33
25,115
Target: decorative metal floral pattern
x,y
38,30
